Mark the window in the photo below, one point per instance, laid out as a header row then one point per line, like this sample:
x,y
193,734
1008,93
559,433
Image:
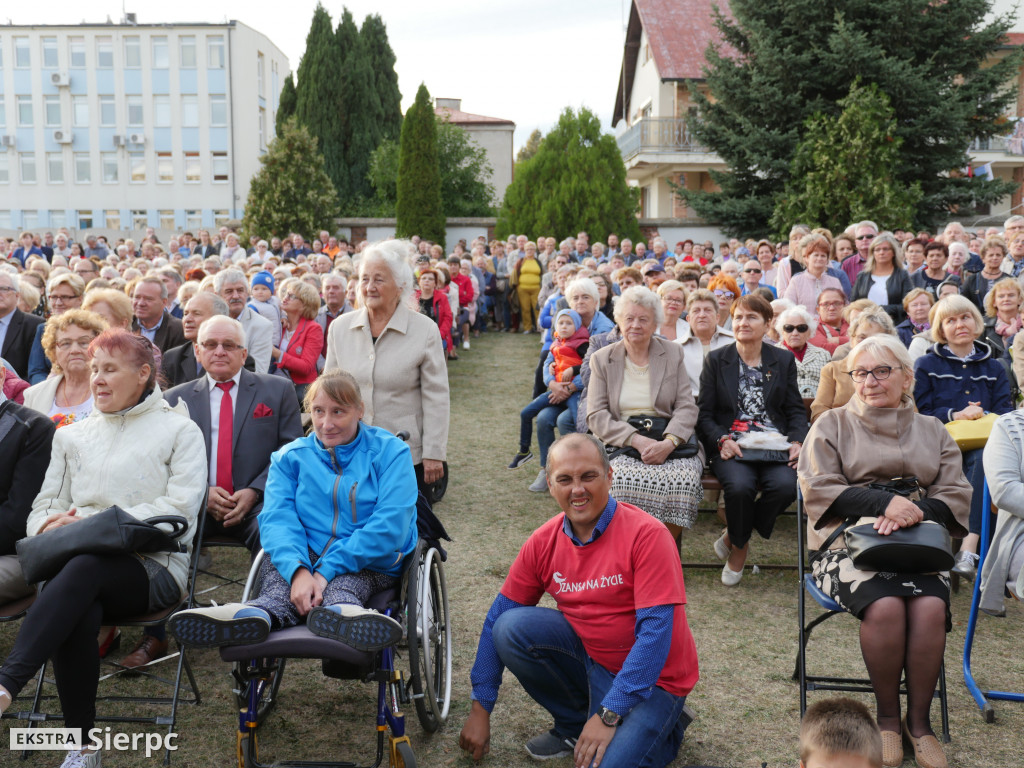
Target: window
x,y
108,166
22,53
261,120
220,217
84,219
215,52
49,45
83,168
3,113
192,167
76,52
58,218
5,170
187,51
162,111
139,220
218,110
24,104
55,167
259,73
104,53
51,111
220,166
108,112
132,53
161,58
193,220
28,168
164,167
30,219
189,112
80,111
137,167
113,218
166,219
134,104
5,219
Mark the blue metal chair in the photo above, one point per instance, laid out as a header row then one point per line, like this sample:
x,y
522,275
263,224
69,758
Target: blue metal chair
x,y
983,698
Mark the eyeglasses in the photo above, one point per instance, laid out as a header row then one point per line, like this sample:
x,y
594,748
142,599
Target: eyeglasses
x,y
61,297
802,328
724,294
831,304
228,346
881,373
69,343
755,271
865,237
7,289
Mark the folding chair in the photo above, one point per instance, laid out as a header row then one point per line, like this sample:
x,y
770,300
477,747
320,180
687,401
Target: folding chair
x,y
982,698
831,608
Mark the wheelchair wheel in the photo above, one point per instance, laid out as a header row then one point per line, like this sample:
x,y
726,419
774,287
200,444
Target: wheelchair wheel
x,y
270,685
436,491
430,641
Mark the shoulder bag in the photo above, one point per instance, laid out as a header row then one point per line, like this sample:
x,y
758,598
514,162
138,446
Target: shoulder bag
x,y
653,427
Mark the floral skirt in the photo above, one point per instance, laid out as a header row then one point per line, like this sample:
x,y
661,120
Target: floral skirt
x,y
669,492
855,589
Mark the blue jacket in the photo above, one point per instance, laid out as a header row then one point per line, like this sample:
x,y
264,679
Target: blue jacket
x,y
945,384
340,510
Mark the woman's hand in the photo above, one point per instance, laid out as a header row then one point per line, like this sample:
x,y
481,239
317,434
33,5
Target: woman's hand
x,y
900,513
654,451
60,519
729,449
433,470
970,413
307,591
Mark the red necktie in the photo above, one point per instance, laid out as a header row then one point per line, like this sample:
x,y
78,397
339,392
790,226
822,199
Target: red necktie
x,y
225,430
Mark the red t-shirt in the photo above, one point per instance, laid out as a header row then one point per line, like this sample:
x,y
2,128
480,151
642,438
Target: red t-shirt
x,y
599,587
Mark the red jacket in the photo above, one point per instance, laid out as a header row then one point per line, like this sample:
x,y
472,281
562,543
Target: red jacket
x,y
465,289
442,316
306,344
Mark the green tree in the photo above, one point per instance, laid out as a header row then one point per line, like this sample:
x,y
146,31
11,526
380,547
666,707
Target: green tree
x,y
790,59
842,168
575,181
361,114
465,173
529,149
290,192
285,105
418,200
382,60
319,98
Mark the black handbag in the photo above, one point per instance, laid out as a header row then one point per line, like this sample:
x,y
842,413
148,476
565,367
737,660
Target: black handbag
x,y
110,532
654,427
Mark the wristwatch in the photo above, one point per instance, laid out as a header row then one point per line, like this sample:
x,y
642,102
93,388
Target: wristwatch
x,y
609,718
676,442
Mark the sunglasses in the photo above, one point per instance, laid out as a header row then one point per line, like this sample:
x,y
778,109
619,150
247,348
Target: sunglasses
x,y
865,237
754,271
802,328
724,294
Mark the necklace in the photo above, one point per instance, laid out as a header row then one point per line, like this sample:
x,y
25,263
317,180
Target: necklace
x,y
67,399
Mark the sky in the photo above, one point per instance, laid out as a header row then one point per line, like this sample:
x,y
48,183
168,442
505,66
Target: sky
x,y
520,60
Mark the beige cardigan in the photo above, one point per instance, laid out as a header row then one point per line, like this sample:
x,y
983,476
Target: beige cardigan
x,y
403,377
39,397
670,391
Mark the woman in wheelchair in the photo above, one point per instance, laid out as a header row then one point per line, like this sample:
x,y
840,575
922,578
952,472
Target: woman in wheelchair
x,y
877,438
338,519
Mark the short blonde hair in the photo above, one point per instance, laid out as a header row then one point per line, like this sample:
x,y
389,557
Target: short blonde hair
x,y
951,306
305,292
1006,282
915,293
639,296
702,294
671,285
860,305
338,385
70,279
886,347
83,318
118,301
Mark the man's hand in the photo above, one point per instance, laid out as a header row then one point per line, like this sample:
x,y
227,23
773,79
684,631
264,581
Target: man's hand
x,y
306,591
219,503
558,392
433,470
476,733
241,501
592,743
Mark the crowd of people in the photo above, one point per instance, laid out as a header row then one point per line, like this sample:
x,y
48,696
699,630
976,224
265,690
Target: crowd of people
x,y
765,365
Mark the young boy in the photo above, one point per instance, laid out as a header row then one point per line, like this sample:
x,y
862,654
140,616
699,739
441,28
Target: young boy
x,y
840,733
571,340
265,303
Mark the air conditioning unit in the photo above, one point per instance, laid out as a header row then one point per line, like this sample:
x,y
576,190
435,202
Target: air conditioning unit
x,y
62,136
60,79
7,140
136,138
118,140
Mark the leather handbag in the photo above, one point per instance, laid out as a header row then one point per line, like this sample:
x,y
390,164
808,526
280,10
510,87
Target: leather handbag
x,y
922,548
971,434
654,427
110,532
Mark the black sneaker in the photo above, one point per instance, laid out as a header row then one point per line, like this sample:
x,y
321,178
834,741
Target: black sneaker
x,y
519,459
548,746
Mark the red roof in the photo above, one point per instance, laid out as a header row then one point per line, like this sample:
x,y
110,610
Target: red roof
x,y
459,117
1014,38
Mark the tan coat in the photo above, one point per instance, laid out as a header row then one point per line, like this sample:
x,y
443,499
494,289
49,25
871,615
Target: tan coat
x,y
858,444
403,378
670,391
835,388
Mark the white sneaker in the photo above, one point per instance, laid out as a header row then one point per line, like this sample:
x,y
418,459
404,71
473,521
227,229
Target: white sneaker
x,y
218,625
465,344
81,759
730,577
361,628
721,550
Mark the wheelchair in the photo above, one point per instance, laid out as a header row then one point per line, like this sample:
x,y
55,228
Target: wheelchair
x,y
419,603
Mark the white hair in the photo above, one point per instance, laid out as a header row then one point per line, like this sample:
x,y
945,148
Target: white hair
x,y
394,254
228,277
800,311
639,296
584,284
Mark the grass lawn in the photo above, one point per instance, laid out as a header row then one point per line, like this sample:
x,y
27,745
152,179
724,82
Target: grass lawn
x,y
746,704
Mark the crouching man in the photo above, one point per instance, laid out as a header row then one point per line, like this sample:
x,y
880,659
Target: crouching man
x,y
614,663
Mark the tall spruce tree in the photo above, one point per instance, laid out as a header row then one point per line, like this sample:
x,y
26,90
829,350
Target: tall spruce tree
x,y
319,99
791,59
418,205
382,60
285,105
575,181
361,114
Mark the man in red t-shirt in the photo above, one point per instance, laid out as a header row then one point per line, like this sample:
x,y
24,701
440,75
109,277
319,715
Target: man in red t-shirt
x,y
614,664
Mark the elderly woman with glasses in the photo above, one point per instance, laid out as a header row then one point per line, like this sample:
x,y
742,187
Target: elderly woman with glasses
x,y
795,327
883,279
833,329
673,304
64,292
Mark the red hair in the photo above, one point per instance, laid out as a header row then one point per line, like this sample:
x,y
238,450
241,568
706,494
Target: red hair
x,y
136,351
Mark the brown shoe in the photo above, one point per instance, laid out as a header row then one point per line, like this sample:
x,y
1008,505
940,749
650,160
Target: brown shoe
x,y
927,750
149,649
892,749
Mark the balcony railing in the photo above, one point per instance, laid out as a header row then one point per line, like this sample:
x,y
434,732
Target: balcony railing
x,y
1010,145
656,135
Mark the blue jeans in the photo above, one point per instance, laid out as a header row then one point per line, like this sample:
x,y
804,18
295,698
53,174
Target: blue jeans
x,y
567,419
546,415
975,474
541,649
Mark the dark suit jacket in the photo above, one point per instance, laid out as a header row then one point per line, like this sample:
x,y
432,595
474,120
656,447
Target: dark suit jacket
x,y
18,343
179,365
25,440
254,439
896,287
206,250
719,393
169,334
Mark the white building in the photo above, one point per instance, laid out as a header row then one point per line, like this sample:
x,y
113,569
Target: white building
x,y
116,127
493,134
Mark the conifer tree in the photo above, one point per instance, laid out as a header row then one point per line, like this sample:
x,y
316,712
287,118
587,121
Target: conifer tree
x,y
285,105
361,114
575,181
418,205
382,60
529,149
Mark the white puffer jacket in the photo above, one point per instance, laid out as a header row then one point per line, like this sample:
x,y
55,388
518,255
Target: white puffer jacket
x,y
149,460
